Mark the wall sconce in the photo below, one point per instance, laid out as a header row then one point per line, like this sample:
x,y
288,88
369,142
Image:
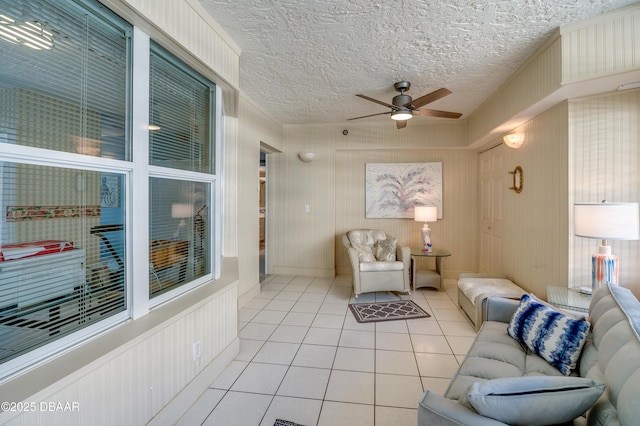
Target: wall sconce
x,y
426,214
514,140
306,157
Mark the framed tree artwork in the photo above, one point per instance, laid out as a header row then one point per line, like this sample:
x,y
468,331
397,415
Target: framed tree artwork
x,y
394,189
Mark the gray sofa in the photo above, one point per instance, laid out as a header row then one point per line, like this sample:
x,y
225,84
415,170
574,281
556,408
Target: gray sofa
x,y
610,356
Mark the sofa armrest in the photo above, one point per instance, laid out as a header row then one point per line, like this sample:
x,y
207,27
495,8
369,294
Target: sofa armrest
x,y
501,309
436,410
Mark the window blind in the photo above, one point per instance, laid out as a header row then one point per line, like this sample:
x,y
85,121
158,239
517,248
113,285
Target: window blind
x,y
64,64
61,265
181,117
180,230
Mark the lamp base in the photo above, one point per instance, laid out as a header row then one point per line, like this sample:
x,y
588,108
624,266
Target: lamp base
x,y
425,234
604,270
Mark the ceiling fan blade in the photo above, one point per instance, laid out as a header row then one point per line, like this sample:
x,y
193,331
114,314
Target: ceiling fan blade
x,y
436,113
401,124
371,115
429,97
376,101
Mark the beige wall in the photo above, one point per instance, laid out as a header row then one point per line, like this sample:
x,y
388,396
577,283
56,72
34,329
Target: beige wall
x,y
535,243
456,232
255,127
333,188
604,165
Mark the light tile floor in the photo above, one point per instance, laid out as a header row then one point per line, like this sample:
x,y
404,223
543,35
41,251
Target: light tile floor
x,y
304,358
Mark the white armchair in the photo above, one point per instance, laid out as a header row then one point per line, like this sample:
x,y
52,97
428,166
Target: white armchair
x,y
378,263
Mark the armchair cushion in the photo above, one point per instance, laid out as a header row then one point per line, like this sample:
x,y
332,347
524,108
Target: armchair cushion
x,y
381,266
365,252
533,400
365,236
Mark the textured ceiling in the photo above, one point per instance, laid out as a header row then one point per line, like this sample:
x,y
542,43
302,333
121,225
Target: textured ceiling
x,y
304,60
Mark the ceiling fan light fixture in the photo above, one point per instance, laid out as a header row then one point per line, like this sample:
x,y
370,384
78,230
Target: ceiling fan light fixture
x,y
402,114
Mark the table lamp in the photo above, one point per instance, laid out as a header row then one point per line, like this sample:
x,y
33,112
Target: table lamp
x,y
605,221
181,211
426,214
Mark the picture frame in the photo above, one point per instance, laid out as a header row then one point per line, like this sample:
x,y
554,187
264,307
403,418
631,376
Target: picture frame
x,y
110,190
394,189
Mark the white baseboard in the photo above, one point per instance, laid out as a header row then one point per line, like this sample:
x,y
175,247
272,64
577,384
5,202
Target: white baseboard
x,y
306,272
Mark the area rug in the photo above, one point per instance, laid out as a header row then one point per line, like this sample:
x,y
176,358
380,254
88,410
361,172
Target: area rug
x,y
280,422
387,311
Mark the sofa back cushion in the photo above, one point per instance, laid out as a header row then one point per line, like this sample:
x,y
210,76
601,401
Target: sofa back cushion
x,y
613,355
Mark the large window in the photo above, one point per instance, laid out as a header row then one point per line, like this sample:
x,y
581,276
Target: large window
x,y
68,179
180,144
63,90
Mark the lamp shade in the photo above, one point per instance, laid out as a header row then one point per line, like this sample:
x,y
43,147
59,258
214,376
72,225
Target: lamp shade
x,y
607,221
179,210
426,213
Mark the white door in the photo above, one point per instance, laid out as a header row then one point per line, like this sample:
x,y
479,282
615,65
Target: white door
x,y
491,187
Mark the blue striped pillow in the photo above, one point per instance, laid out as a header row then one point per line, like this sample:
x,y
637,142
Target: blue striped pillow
x,y
555,337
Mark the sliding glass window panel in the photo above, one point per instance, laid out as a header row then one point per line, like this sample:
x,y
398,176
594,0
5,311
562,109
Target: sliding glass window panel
x,y
62,253
180,232
181,115
64,79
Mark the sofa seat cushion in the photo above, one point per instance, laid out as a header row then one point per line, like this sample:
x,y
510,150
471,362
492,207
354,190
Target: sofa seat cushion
x,y
381,266
477,289
533,400
495,355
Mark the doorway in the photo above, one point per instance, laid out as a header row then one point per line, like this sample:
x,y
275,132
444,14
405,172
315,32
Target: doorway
x,y
491,186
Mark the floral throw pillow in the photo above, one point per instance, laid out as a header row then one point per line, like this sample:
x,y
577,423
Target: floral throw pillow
x,y
385,250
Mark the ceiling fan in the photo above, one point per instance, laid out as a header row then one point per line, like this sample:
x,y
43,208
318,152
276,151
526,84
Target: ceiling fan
x,y
403,107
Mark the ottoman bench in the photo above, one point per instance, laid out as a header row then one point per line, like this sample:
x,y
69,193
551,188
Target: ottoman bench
x,y
474,289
